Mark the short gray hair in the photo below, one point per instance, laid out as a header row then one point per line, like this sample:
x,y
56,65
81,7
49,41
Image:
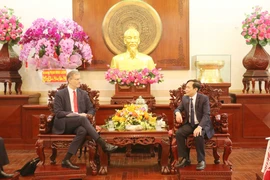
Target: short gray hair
x,y
71,73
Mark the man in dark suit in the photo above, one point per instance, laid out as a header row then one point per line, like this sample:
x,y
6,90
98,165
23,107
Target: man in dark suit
x,y
3,160
72,106
197,122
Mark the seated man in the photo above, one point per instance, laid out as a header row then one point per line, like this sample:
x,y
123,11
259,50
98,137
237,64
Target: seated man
x,y
197,122
72,106
3,160
132,59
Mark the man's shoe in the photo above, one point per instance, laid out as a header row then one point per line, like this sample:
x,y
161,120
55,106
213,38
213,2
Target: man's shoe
x,y
201,165
68,164
184,162
109,147
5,175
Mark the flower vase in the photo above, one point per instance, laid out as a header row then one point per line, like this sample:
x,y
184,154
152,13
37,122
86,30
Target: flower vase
x,y
257,63
10,64
9,59
257,59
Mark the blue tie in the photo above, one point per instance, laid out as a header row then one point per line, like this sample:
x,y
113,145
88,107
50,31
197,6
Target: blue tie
x,y
192,122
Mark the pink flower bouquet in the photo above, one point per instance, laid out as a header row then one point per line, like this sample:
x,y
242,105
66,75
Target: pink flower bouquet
x,y
55,44
135,77
256,27
10,27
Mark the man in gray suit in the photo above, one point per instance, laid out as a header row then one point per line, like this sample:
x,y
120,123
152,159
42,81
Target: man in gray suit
x,y
72,106
3,160
197,122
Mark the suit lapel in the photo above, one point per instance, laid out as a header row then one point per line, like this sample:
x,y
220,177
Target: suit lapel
x,y
68,103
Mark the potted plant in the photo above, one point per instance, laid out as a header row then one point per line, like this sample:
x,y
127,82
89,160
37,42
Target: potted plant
x,y
256,31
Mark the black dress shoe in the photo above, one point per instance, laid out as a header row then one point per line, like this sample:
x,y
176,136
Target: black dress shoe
x,y
109,147
67,164
201,165
184,162
5,175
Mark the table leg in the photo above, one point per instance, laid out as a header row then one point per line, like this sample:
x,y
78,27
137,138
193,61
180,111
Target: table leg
x,y
253,85
5,88
266,86
9,87
165,145
260,86
245,85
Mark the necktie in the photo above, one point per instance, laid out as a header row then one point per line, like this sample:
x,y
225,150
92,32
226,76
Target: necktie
x,y
192,122
75,104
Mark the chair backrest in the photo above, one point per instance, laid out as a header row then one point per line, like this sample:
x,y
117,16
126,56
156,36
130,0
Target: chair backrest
x,y
215,105
93,95
45,125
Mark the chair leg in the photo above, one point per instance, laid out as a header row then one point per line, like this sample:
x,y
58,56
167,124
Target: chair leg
x,y
80,154
54,154
216,155
174,155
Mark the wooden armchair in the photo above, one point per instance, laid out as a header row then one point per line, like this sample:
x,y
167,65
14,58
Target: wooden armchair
x,y
54,141
221,138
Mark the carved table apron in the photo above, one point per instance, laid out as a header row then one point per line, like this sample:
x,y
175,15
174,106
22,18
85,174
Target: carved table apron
x,y
148,137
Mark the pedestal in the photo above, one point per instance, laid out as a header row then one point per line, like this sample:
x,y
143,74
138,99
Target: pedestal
x,y
253,76
7,77
127,94
212,171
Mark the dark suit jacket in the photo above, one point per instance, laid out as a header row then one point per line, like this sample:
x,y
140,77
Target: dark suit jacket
x,y
202,108
62,107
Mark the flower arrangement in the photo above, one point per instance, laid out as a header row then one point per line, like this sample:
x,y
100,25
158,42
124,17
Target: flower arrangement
x,y
132,114
10,27
256,27
135,77
56,44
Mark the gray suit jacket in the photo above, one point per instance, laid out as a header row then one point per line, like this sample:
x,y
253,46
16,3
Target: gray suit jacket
x,y
202,108
62,107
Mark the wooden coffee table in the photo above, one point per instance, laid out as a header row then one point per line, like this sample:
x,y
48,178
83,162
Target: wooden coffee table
x,y
147,137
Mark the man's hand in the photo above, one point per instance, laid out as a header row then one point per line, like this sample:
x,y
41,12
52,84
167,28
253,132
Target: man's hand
x,y
89,116
178,117
197,131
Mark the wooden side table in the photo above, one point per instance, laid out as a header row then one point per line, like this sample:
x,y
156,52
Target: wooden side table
x,y
8,77
253,76
147,137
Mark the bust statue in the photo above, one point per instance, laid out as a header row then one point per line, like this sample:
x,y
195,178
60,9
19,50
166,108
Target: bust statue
x,y
132,59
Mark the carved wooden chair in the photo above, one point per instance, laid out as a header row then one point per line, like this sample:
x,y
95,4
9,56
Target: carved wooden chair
x,y
221,138
54,141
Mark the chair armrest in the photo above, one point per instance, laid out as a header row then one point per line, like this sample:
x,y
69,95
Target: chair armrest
x,y
45,123
221,123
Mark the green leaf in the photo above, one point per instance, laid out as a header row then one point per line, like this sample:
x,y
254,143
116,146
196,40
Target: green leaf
x,y
263,43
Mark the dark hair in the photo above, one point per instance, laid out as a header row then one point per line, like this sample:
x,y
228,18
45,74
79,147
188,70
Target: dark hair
x,y
71,73
196,83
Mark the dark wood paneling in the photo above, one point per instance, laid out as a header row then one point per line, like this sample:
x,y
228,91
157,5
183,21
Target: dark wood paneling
x,y
256,116
10,119
30,121
247,127
172,51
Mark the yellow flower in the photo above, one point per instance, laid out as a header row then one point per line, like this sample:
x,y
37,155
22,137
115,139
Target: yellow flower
x,y
133,114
